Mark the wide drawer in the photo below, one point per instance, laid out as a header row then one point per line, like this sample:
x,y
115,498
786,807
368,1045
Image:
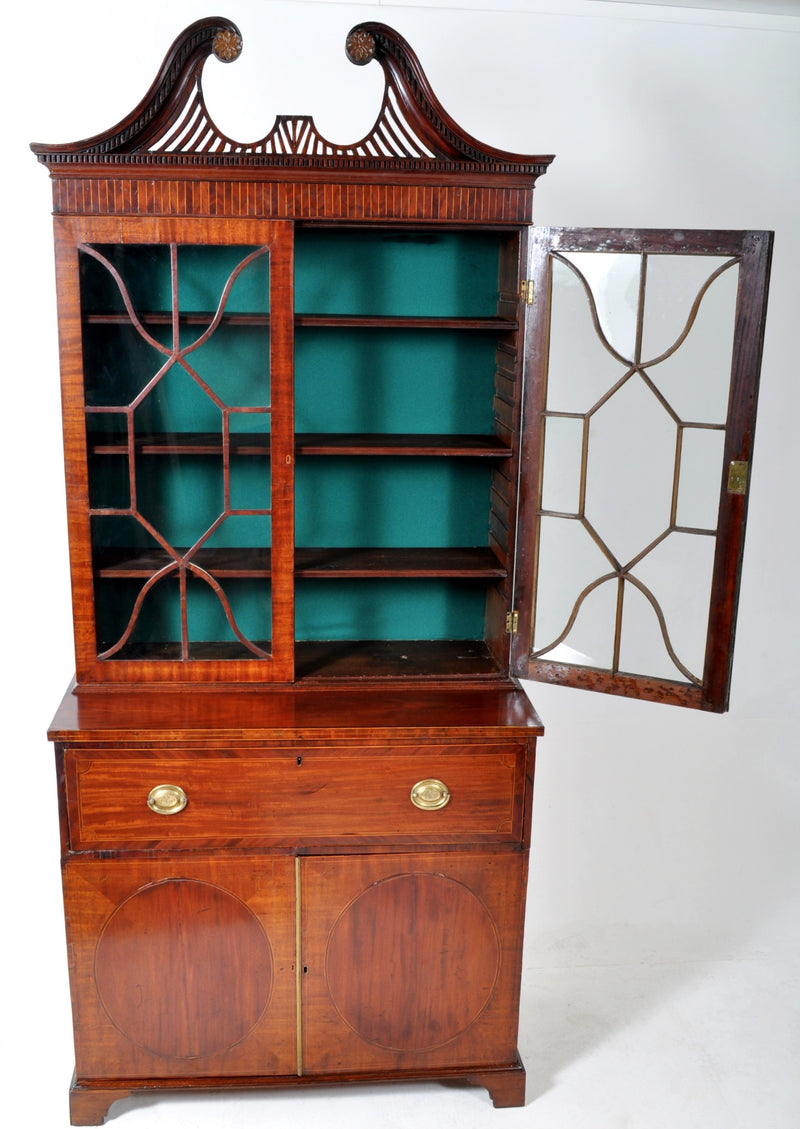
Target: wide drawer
x,y
294,797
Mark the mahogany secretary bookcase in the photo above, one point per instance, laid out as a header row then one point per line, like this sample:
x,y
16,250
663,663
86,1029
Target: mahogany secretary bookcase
x,y
312,556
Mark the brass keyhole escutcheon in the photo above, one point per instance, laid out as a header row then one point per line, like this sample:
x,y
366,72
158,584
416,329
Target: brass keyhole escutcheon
x,y
430,795
167,799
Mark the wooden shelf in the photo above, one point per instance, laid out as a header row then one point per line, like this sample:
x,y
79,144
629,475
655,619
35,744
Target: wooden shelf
x,y
338,444
319,321
442,659
325,563
161,317
224,564
380,321
465,446
181,443
439,660
466,564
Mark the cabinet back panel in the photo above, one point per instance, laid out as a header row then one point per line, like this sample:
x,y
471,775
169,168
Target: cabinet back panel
x,y
423,381
389,609
118,363
325,610
391,503
449,274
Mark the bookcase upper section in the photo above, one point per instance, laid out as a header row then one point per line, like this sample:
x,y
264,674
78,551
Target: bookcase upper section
x,y
291,378
171,135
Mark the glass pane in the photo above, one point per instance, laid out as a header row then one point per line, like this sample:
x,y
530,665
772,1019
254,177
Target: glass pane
x,y
613,281
177,376
695,378
570,562
677,575
674,284
118,362
702,453
173,403
644,650
561,473
249,482
232,366
631,460
114,273
209,618
581,370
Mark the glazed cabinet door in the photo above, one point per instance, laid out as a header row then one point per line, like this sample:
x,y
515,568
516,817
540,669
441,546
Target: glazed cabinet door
x,y
411,962
176,344
182,969
643,365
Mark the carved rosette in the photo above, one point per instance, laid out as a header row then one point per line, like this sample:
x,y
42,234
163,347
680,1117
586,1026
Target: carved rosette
x,y
360,46
227,45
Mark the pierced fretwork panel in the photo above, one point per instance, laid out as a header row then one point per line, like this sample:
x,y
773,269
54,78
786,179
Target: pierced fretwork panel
x,y
172,124
644,380
177,385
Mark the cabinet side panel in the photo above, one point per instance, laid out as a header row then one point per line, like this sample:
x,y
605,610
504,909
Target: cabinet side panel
x,y
507,411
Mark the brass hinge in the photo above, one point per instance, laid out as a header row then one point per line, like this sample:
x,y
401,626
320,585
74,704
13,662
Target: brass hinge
x,y
737,477
512,622
526,291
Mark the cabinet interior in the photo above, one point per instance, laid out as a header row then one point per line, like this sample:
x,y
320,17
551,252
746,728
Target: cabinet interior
x,y
405,360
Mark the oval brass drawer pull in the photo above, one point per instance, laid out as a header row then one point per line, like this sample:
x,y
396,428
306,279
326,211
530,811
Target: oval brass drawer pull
x,y
167,799
430,795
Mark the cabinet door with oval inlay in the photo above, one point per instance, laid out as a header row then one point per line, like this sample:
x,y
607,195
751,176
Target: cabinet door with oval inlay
x,y
411,961
183,968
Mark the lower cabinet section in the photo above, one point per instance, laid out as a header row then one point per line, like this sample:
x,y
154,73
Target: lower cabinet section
x,y
299,888
204,969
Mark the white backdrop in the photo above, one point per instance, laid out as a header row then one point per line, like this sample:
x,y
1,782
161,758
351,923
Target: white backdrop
x,y
664,839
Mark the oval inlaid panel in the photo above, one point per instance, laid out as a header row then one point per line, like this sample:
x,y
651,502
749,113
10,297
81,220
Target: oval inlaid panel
x,y
412,962
184,969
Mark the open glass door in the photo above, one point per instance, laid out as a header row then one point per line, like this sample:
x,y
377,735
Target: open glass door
x,y
642,374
